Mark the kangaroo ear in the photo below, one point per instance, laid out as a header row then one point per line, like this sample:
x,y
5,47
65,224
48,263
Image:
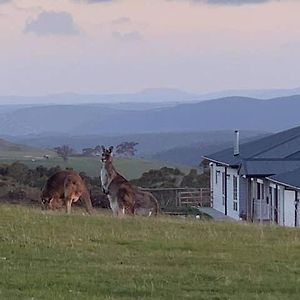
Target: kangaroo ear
x,y
111,148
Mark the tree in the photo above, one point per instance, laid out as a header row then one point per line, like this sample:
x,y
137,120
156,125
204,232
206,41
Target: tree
x,y
64,151
127,148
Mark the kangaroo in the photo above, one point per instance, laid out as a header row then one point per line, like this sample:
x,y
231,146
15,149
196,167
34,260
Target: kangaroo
x,y
65,188
145,204
124,198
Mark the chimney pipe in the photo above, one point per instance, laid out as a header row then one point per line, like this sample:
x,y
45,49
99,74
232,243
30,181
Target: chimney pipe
x,y
236,150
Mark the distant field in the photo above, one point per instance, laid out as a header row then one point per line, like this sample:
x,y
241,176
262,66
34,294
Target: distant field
x,y
130,167
49,255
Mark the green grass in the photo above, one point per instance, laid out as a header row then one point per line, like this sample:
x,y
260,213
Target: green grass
x,y
49,255
131,168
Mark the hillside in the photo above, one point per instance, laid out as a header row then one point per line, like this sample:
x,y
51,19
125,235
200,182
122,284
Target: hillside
x,y
131,168
192,154
149,144
179,148
49,255
9,150
226,113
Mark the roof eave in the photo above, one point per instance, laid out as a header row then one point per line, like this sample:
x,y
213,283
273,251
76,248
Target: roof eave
x,y
220,162
282,183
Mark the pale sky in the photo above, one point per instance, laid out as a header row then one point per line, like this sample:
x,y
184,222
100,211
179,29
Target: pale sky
x,y
117,46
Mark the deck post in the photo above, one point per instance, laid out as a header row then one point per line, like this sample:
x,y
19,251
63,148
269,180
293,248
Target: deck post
x,y
226,210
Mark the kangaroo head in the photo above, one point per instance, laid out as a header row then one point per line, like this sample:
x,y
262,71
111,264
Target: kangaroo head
x,y
49,201
107,154
45,197
46,201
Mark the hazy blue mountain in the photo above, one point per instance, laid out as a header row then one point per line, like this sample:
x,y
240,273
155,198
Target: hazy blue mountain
x,y
258,93
227,113
185,147
86,119
192,154
154,95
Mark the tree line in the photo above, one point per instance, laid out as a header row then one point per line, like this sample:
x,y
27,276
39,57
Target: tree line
x,y
127,149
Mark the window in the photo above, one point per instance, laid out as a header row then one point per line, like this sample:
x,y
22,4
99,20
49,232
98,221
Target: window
x,y
235,193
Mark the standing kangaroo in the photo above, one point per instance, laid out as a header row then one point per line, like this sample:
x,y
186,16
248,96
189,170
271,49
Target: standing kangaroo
x,y
65,188
124,198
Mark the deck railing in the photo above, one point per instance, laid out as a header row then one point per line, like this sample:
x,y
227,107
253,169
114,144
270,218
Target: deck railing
x,y
182,197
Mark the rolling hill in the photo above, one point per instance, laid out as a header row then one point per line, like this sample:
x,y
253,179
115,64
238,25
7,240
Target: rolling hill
x,y
226,113
183,148
12,150
131,168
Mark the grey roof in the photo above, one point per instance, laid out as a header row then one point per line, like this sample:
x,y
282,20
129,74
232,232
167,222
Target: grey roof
x,y
291,179
267,156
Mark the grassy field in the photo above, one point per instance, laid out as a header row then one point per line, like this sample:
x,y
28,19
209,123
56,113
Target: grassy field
x,y
132,168
49,255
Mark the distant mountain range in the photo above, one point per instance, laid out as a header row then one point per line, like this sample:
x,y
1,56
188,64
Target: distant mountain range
x,y
99,119
181,130
154,95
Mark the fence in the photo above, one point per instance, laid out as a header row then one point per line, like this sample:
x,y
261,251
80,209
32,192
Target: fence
x,y
169,198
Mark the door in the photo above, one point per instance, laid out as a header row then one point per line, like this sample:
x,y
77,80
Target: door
x,y
289,208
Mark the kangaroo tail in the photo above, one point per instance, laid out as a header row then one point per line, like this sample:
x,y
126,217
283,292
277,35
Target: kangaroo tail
x,y
156,208
87,202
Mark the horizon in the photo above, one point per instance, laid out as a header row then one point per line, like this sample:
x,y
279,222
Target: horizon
x,y
171,95
121,47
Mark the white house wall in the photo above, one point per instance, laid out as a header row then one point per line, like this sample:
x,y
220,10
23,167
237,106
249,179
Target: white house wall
x,y
216,176
243,196
289,208
217,187
286,198
281,193
286,204
230,211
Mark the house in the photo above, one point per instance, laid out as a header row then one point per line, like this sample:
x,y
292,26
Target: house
x,y
253,181
288,185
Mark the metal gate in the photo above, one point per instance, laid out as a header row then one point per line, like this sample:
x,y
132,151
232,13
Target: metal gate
x,y
181,197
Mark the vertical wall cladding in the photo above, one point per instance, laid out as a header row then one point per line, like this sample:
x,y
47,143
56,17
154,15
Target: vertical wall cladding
x,y
289,208
243,196
231,211
218,197
217,187
281,205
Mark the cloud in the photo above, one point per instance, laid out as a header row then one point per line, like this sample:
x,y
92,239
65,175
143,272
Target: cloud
x,y
211,2
92,1
128,36
230,2
52,23
233,2
121,21
4,1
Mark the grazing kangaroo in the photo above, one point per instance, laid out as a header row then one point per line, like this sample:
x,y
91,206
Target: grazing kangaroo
x,y
123,196
65,188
